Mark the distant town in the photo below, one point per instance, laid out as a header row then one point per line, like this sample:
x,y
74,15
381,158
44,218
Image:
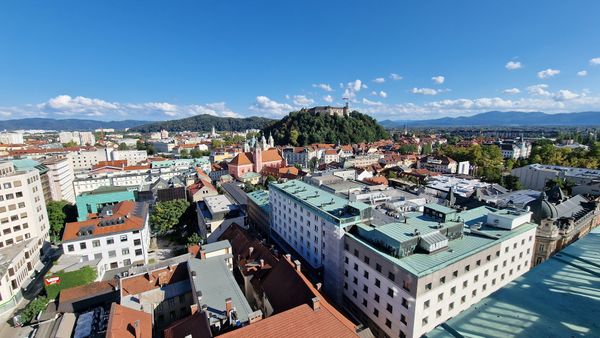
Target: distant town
x,y
425,232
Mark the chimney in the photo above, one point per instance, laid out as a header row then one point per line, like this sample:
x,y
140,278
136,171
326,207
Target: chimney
x,y
228,306
318,286
298,265
194,308
316,303
262,263
288,257
149,277
202,254
137,329
250,251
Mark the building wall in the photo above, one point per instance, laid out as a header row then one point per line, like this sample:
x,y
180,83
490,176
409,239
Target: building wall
x,y
60,178
131,156
23,229
93,203
407,294
117,249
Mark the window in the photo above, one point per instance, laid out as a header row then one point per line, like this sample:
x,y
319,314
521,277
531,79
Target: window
x,y
345,286
390,292
82,245
476,278
364,302
125,251
438,313
365,289
453,290
388,323
442,280
467,268
463,299
451,306
346,260
355,280
355,267
426,304
377,267
110,241
441,296
138,252
355,252
123,238
137,242
366,259
474,293
376,298
391,276
403,319
112,253
484,287
428,286
366,274
455,273
488,258
354,293
424,321
70,248
478,262
389,308
405,285
465,284
98,255
376,312
95,243
377,283
405,303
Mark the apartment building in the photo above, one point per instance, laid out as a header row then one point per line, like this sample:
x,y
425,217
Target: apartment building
x,y
404,279
60,179
362,160
117,236
23,231
215,214
11,138
438,164
132,157
298,155
312,223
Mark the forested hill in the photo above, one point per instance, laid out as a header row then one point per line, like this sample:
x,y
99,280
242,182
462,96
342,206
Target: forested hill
x,y
302,128
205,122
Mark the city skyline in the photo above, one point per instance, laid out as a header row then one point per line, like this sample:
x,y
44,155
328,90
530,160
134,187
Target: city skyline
x,y
393,61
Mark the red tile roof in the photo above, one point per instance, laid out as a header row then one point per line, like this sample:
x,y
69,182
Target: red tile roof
x,y
88,290
152,280
124,322
123,212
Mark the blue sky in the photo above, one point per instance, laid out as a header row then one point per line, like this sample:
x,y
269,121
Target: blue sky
x,y
157,60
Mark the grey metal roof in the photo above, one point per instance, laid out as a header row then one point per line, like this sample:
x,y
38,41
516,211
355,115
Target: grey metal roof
x,y
216,246
215,283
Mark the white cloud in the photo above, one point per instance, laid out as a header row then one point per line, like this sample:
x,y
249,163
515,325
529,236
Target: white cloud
x,y
371,103
564,95
425,91
547,73
582,73
438,79
379,80
356,85
513,65
79,106
540,89
511,91
326,87
328,98
595,61
382,94
395,76
302,100
265,105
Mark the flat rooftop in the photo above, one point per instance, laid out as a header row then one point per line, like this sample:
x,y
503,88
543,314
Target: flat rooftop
x,y
421,264
558,298
218,204
319,199
569,171
261,198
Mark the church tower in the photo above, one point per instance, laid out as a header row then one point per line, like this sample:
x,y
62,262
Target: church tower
x,y
257,159
271,141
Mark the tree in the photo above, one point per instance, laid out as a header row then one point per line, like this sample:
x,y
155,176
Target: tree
x,y
195,153
184,153
512,182
32,309
70,144
294,133
216,144
426,149
312,164
194,239
58,212
167,215
123,146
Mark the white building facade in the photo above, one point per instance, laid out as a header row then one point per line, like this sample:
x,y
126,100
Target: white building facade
x,y
23,231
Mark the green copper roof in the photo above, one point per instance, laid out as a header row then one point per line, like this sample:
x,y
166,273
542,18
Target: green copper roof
x,y
399,235
338,209
558,298
260,198
29,164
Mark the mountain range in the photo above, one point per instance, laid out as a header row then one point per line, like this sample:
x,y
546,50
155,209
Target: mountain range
x,y
206,122
66,124
508,118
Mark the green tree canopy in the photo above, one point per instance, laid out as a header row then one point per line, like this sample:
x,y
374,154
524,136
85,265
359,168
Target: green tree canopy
x,y
167,215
